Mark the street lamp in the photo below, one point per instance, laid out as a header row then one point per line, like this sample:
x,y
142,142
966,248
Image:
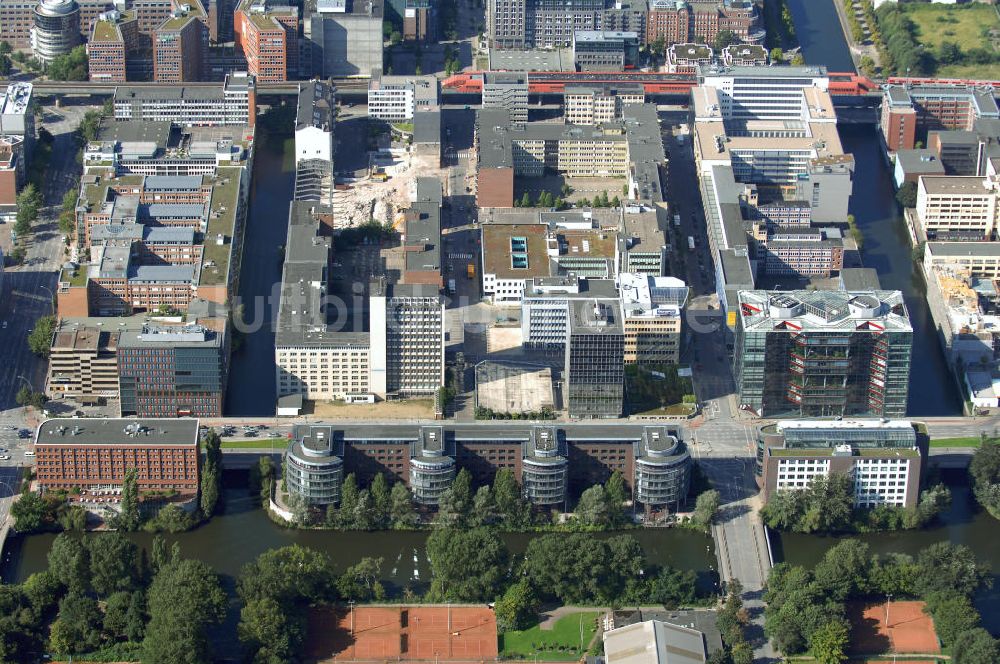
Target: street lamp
x,y
52,298
888,601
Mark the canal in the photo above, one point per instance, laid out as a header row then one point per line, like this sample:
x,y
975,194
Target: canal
x,y
964,523
243,531
251,391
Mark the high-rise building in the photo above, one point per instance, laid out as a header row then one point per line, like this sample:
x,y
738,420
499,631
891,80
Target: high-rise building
x,y
525,24
314,465
56,29
507,90
595,360
172,372
113,42
651,311
269,37
822,353
180,45
882,458
346,37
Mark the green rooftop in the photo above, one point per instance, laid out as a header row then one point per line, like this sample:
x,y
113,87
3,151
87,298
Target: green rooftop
x,y
78,279
105,31
223,196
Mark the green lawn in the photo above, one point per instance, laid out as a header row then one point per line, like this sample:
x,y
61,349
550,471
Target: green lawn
x,y
263,443
990,72
972,441
536,643
962,24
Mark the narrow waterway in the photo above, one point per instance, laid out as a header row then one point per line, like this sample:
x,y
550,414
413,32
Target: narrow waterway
x,y
251,391
820,35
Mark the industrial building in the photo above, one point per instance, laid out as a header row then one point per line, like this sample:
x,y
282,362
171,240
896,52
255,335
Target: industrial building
x,y
883,458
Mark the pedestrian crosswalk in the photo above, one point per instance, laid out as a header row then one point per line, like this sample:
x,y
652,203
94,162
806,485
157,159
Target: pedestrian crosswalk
x,y
459,257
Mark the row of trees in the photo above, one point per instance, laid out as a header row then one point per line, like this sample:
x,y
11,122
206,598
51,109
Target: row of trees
x,y
826,506
69,67
101,596
382,506
901,51
806,609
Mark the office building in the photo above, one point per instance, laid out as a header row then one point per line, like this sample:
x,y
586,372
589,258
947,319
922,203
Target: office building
x,y
908,110
507,90
687,58
17,116
407,339
553,463
634,150
172,372
13,171
419,20
180,45
526,24
232,103
268,35
94,455
882,458
798,250
605,50
588,105
545,307
651,314
56,29
83,361
957,207
314,465
980,260
595,347
681,22
822,353
346,38
113,42
654,642
399,98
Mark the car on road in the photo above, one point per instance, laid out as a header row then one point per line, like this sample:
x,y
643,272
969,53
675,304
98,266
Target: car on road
x,y
4,457
5,325
24,433
29,453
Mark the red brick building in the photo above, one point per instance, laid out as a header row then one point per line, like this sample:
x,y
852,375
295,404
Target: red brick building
x,y
94,454
268,37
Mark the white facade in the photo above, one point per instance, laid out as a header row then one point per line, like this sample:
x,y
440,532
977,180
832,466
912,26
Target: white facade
x,y
324,373
880,482
796,474
397,98
957,204
313,143
762,93
407,343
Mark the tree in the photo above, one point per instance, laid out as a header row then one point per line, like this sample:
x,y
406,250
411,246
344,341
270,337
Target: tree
x,y
517,608
514,510
798,60
777,55
114,563
288,574
40,339
70,563
184,601
705,507
985,472
953,615
615,494
348,501
576,568
592,508
673,588
124,616
361,581
949,53
78,627
975,647
401,511
907,195
211,474
525,200
269,632
32,512
69,67
456,502
129,519
842,571
381,500
723,39
949,567
829,643
483,508
466,565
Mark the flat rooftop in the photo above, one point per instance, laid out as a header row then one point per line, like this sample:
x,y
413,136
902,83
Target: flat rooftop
x,y
118,432
958,185
806,311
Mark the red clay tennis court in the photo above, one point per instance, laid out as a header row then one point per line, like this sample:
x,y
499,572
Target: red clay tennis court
x,y
420,633
909,630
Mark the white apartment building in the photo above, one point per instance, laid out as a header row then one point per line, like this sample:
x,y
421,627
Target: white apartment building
x,y
978,259
315,121
763,93
957,207
397,98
